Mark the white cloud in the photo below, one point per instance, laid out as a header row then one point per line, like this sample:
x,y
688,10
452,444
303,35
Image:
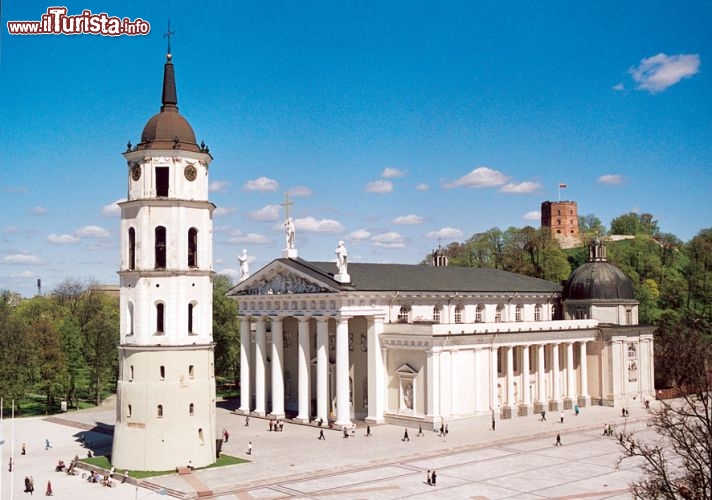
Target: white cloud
x,y
233,273
10,230
390,173
222,211
389,240
421,187
62,239
533,215
92,232
446,233
261,184
218,186
409,219
479,178
23,258
38,210
266,213
520,188
112,209
312,225
618,87
254,238
300,191
380,186
23,275
359,234
661,71
611,179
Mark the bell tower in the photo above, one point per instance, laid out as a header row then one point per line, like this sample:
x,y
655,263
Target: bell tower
x,y
165,415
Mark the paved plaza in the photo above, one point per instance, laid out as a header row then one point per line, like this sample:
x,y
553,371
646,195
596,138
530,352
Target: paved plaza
x,y
517,460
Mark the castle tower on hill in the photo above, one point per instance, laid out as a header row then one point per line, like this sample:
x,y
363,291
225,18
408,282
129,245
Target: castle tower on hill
x,y
165,415
561,219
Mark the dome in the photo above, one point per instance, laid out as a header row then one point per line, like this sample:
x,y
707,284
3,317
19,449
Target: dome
x,y
168,129
598,280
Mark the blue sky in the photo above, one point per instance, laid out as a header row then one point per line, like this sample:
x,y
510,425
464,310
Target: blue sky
x,y
392,124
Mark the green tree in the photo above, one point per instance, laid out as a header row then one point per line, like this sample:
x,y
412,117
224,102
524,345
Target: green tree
x,y
73,346
15,351
226,330
590,227
679,463
633,223
699,273
48,359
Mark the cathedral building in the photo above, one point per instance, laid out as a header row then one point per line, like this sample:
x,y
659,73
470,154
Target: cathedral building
x,y
165,415
419,344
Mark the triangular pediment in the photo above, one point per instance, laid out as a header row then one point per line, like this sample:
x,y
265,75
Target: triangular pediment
x,y
277,278
406,369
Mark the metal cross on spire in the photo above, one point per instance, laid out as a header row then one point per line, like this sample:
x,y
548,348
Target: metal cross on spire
x,y
286,205
168,35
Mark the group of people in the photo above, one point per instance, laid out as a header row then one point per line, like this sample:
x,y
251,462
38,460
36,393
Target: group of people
x,y
607,430
432,478
276,425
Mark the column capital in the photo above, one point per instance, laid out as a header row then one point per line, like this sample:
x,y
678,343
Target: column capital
x,y
344,317
303,319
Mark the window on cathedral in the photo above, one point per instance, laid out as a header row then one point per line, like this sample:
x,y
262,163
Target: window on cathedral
x,y
163,372
130,319
403,314
129,411
132,374
436,314
132,249
499,360
191,371
160,238
632,351
515,359
190,318
479,314
558,212
628,316
159,411
192,247
191,409
537,312
160,312
518,313
162,181
458,314
200,436
498,314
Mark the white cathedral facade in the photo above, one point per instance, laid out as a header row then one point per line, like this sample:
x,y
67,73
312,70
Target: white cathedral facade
x,y
415,344
165,413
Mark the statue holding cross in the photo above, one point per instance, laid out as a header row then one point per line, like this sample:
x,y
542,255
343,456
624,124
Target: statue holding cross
x,y
289,229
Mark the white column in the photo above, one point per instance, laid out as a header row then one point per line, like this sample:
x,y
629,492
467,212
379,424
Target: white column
x,y
343,405
541,373
570,380
584,369
525,375
510,376
433,378
277,368
322,361
376,371
245,343
556,376
303,362
260,362
493,379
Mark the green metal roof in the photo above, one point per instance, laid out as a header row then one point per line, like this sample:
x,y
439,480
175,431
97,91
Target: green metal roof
x,y
424,278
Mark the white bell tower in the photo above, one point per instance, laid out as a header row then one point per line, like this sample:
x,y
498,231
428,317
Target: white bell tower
x,y
165,414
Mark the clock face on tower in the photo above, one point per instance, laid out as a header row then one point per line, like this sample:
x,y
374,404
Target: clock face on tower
x,y
190,172
135,171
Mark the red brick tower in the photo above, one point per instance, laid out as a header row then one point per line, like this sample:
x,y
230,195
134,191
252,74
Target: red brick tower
x,y
561,219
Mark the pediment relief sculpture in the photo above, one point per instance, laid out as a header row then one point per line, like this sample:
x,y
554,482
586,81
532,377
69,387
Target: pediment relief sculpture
x,y
282,283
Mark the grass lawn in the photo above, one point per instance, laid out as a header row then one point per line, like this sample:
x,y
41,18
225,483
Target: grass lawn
x,y
102,462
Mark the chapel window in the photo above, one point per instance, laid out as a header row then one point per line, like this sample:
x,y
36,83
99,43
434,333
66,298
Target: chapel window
x,y
160,250
159,411
163,372
537,312
458,314
191,371
628,316
518,313
479,314
436,314
191,307
160,313
498,314
162,181
132,249
403,314
632,351
191,409
129,411
192,247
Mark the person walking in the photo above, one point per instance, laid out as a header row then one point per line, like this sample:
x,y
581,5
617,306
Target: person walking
x,y
49,492
558,440
420,431
493,423
368,431
247,420
24,449
226,435
434,477
561,417
405,435
47,445
430,479
321,434
249,448
543,415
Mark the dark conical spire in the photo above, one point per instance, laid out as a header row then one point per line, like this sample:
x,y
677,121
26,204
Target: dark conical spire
x,y
169,99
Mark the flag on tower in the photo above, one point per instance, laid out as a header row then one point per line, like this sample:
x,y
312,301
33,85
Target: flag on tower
x,y
562,185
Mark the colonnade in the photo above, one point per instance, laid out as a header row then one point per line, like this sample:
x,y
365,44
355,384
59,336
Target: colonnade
x,y
258,363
